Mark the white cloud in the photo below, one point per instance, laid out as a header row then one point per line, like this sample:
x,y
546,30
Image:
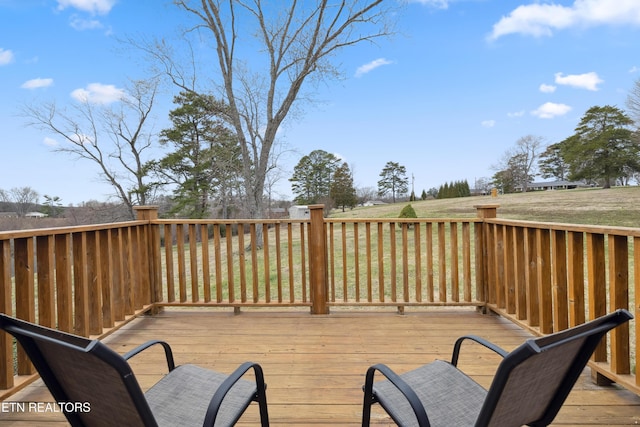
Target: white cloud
x,y
81,24
367,68
516,114
488,123
589,81
97,93
50,142
99,7
549,110
6,57
440,4
634,70
542,19
37,83
547,88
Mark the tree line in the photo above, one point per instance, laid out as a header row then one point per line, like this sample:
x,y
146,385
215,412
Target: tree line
x,y
222,148
603,151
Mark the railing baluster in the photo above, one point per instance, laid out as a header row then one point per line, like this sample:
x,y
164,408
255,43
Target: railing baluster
x,y
575,268
560,292
265,257
442,262
94,284
46,274
597,286
182,274
369,261
520,273
218,261
509,270
466,261
279,261
6,303
168,254
228,233
619,298
405,262
544,281
417,239
499,266
392,250
64,287
533,295
243,263
81,289
206,273
193,263
429,255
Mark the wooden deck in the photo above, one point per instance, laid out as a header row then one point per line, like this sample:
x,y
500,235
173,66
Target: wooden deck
x,y
314,365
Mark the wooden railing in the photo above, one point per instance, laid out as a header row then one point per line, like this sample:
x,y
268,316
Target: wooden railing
x,y
545,277
548,277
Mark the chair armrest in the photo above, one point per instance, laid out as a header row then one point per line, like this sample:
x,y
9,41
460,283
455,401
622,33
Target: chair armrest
x,y
227,384
481,341
401,385
167,352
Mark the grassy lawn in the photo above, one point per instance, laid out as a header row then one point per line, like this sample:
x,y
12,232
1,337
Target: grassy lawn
x,y
615,206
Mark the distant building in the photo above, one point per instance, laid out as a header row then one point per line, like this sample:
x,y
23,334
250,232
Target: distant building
x,y
299,212
35,215
373,203
553,185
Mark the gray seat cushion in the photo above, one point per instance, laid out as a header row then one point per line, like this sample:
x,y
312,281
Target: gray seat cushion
x,y
182,397
449,397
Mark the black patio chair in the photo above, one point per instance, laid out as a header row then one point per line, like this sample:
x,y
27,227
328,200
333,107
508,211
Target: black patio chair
x,y
529,387
98,388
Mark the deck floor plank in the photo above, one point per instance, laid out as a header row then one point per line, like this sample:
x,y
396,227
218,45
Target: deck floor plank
x,y
315,365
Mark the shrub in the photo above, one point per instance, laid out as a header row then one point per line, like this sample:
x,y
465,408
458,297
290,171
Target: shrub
x,y
408,212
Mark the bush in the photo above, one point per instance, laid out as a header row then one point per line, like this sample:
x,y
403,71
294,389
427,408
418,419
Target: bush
x,y
408,212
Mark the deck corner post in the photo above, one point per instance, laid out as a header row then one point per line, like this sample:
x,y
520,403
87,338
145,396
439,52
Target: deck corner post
x,y
318,268
150,214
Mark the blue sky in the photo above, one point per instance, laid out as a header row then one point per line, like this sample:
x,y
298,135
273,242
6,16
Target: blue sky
x,y
446,97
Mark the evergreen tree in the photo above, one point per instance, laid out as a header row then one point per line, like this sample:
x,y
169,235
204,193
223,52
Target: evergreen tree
x,y
206,155
342,192
313,176
602,147
393,179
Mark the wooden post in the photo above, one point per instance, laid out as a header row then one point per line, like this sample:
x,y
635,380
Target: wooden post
x,y
150,213
318,268
485,258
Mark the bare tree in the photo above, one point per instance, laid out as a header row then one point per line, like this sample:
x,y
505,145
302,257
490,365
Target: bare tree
x,y
521,160
633,103
114,137
23,199
298,40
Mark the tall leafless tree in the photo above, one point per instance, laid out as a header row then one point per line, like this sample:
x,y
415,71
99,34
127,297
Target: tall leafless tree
x,y
114,137
521,160
298,40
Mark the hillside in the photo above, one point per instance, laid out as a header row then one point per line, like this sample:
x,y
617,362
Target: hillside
x,y
616,206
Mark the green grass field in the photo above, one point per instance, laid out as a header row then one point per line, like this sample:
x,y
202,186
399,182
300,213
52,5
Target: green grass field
x,y
616,206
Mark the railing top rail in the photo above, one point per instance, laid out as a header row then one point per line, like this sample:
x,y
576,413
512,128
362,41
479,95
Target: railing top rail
x,y
402,220
36,232
581,228
229,221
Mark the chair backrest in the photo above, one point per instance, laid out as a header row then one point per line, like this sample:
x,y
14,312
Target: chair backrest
x,y
96,384
533,381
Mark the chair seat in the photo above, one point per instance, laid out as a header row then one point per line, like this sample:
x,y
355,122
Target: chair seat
x,y
449,397
182,397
